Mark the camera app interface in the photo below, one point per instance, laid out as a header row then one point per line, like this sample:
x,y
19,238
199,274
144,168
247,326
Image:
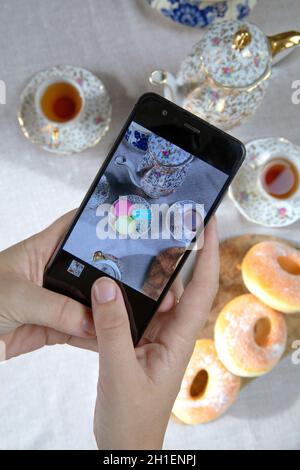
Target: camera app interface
x,y
144,212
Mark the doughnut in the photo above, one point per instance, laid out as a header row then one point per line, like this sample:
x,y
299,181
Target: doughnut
x,y
250,337
207,389
271,271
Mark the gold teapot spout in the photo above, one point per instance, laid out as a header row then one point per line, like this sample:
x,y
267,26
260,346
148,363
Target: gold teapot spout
x,y
283,41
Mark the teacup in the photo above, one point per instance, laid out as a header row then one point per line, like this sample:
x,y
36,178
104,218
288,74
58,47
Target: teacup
x,y
185,219
279,178
60,102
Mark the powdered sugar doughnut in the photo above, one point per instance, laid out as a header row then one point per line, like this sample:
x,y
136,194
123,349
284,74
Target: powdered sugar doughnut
x,y
271,271
250,337
207,389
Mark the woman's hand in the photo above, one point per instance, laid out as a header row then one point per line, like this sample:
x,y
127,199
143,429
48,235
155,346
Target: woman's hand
x,y
138,386
31,316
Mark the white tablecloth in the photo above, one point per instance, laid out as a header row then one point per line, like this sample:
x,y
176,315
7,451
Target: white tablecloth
x,y
47,397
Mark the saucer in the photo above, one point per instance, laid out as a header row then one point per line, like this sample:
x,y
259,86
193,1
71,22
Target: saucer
x,y
246,191
86,132
107,263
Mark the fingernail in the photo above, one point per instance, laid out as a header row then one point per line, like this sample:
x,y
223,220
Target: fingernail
x,y
104,291
88,326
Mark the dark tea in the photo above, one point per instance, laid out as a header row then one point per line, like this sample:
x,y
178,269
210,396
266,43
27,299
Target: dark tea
x,y
61,102
280,178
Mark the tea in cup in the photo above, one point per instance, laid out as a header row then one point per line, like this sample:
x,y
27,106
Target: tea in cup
x,y
59,100
280,178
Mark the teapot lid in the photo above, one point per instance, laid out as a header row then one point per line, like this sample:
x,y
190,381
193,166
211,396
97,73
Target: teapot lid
x,y
166,153
235,53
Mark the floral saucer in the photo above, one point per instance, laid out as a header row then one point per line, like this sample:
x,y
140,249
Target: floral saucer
x,y
201,13
85,132
247,192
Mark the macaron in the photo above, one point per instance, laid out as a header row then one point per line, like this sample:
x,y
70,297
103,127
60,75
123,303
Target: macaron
x,y
125,225
122,207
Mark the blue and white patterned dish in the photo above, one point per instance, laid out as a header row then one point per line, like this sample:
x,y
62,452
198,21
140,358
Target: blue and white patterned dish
x,y
137,137
202,13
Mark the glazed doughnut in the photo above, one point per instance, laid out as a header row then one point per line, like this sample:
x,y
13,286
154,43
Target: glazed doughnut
x,y
271,271
207,389
250,337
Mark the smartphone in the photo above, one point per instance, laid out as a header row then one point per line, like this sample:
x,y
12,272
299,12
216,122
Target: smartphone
x,y
164,165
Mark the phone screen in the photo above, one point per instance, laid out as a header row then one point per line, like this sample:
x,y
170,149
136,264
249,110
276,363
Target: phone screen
x,y
144,211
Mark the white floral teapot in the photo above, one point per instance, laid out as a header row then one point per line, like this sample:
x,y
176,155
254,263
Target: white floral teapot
x,y
225,78
161,171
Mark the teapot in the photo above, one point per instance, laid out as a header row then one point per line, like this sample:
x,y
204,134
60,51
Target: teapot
x,y
162,169
226,76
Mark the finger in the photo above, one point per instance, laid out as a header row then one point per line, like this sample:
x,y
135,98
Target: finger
x,y
111,321
177,288
32,304
163,314
28,338
48,239
90,344
173,296
30,256
167,303
204,270
195,304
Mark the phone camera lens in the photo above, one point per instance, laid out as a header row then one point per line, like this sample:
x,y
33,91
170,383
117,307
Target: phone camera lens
x,y
164,112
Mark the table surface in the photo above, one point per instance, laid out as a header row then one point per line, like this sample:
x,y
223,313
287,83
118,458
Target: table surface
x,y
47,397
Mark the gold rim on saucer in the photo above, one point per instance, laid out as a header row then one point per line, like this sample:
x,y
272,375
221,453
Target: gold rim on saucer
x,y
75,137
246,190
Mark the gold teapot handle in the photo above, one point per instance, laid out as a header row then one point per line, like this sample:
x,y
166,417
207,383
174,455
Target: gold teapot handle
x,y
283,41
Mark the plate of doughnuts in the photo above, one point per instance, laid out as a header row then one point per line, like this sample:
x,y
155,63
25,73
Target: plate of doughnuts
x,y
254,322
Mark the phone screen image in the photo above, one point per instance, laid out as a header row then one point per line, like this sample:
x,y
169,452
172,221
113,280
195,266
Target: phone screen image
x,y
144,211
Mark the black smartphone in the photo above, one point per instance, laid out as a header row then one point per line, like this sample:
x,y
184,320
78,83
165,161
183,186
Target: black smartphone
x,y
165,164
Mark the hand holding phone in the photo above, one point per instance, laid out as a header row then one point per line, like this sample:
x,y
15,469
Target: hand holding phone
x,y
160,184
31,316
137,387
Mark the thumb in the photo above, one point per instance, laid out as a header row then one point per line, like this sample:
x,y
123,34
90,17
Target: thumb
x,y
112,328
